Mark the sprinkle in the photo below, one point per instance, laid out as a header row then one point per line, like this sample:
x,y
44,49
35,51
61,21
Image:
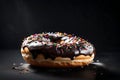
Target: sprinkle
x,y
34,35
54,44
70,46
97,61
76,52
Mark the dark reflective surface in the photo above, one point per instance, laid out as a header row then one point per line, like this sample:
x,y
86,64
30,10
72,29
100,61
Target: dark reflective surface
x,y
88,72
13,67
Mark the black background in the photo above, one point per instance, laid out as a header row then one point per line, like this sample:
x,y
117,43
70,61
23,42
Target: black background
x,y
95,21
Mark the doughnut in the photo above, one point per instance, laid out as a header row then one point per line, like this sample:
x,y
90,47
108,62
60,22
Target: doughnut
x,y
57,49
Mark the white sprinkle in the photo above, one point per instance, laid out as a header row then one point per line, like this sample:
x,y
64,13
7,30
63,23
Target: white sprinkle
x,y
64,38
76,52
97,61
21,63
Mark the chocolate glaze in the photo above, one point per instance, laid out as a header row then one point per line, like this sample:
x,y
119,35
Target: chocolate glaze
x,y
50,45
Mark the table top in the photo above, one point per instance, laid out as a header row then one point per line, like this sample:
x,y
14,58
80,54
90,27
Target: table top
x,y
105,67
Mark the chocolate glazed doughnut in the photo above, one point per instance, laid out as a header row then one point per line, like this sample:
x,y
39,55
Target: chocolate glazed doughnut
x,y
57,50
